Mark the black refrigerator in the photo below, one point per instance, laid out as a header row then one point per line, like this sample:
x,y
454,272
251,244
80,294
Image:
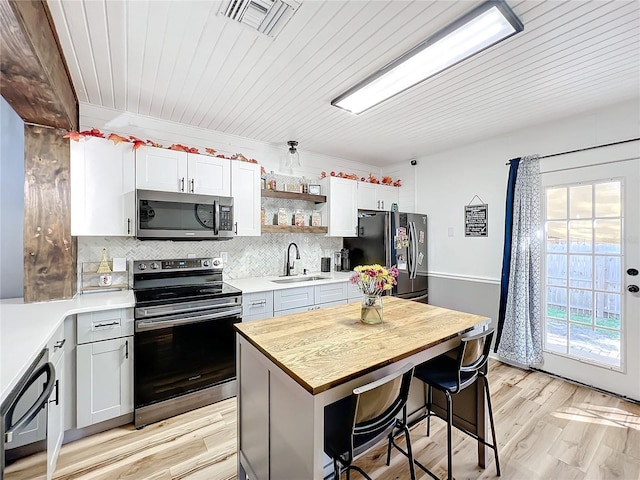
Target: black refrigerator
x,y
394,238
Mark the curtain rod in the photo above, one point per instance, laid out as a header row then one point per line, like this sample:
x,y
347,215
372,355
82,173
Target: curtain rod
x,y
583,149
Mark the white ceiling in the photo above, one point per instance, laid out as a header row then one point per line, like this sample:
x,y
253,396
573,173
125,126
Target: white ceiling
x,y
180,61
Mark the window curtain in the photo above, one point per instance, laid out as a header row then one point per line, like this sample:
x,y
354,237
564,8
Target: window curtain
x,y
519,334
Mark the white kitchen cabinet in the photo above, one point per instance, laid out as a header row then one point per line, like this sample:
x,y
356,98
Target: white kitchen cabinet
x,y
372,196
303,299
341,209
330,292
55,418
290,298
257,305
208,175
102,188
245,190
104,380
177,171
353,292
161,169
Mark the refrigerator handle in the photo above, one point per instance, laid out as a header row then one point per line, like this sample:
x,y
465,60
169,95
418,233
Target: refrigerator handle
x,y
414,250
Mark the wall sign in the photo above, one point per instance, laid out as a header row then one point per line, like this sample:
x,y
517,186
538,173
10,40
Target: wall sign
x,y
476,219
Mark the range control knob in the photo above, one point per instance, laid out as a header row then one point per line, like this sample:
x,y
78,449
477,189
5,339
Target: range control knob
x,y
206,263
155,265
216,263
633,288
142,266
632,271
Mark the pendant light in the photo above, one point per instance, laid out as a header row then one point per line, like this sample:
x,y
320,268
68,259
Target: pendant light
x,y
293,158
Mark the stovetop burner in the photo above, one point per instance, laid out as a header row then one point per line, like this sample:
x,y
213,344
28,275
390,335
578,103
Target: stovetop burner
x,y
161,282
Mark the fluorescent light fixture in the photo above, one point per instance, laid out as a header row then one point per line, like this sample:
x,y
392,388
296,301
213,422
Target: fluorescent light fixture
x,y
486,25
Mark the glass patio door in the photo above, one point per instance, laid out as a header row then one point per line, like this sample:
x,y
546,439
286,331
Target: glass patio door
x,y
591,314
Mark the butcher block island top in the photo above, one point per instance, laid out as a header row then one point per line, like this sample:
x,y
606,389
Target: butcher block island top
x,y
323,348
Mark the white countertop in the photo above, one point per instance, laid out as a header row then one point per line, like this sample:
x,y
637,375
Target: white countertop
x,y
25,328
261,284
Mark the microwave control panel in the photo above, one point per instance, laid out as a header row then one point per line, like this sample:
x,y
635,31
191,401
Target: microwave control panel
x,y
226,218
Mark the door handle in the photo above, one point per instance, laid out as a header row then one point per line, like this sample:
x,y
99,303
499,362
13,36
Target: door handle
x,y
126,349
633,288
192,185
182,184
236,224
59,344
128,226
57,389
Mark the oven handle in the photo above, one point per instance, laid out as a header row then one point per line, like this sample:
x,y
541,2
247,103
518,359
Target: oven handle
x,y
164,310
147,325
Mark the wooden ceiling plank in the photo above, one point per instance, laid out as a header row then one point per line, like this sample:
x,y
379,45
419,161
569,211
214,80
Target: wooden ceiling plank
x,y
34,79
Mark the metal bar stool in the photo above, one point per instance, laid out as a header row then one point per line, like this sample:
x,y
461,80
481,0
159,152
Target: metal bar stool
x,y
367,416
452,375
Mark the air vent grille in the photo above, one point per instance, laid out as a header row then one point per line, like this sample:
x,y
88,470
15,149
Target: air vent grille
x,y
266,16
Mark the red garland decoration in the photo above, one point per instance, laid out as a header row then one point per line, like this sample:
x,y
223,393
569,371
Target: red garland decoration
x,y
371,179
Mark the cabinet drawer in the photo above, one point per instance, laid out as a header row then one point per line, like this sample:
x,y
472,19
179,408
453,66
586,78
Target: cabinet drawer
x,y
330,292
290,311
105,325
292,298
354,293
257,305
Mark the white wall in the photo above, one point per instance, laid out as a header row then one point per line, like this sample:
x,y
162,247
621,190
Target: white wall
x,y
12,201
447,181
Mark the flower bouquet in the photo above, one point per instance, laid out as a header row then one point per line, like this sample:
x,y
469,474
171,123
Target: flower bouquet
x,y
373,280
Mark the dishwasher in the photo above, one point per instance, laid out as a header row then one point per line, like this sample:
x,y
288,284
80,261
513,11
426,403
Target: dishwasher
x,y
24,416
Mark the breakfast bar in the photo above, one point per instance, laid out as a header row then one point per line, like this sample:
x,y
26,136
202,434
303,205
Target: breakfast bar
x,y
291,367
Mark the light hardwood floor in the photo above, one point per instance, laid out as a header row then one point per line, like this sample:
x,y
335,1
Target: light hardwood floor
x,y
547,429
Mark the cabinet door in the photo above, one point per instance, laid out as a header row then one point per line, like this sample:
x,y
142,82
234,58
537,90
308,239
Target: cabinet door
x,y
102,188
342,204
367,196
209,175
298,297
385,196
104,380
55,420
161,169
245,189
330,292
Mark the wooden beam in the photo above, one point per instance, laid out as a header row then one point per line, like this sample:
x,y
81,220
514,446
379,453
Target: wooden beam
x,y
50,252
33,74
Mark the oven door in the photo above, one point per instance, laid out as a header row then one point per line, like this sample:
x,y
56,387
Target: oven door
x,y
184,353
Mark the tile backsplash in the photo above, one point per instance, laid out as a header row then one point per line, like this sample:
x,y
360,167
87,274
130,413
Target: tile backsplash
x,y
247,256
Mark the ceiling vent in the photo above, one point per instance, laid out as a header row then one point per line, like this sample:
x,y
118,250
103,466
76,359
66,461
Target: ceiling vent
x,y
265,16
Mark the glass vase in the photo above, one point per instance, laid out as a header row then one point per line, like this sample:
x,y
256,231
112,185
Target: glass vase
x,y
371,309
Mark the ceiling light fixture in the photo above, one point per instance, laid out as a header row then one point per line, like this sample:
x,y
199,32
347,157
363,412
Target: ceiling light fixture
x,y
293,158
484,26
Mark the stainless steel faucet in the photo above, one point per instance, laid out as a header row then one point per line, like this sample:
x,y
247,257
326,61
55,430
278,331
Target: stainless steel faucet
x,y
289,266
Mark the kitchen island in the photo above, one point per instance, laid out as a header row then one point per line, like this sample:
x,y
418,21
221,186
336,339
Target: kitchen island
x,y
290,368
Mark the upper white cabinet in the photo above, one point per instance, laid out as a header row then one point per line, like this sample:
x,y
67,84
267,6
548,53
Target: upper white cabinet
x,y
245,189
209,175
376,197
102,188
161,169
176,171
341,208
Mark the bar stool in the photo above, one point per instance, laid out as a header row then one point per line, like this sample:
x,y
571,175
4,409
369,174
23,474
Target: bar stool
x,y
451,376
360,421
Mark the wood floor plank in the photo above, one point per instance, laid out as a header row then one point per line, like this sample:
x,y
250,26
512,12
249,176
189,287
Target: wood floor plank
x,y
547,429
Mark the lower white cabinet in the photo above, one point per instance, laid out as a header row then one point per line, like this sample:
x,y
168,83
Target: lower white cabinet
x,y
104,380
303,299
257,305
55,418
104,371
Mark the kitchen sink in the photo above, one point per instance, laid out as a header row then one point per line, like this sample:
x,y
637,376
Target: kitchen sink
x,y
299,279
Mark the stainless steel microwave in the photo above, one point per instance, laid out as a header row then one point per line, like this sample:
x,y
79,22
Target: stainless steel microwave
x,y
183,216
